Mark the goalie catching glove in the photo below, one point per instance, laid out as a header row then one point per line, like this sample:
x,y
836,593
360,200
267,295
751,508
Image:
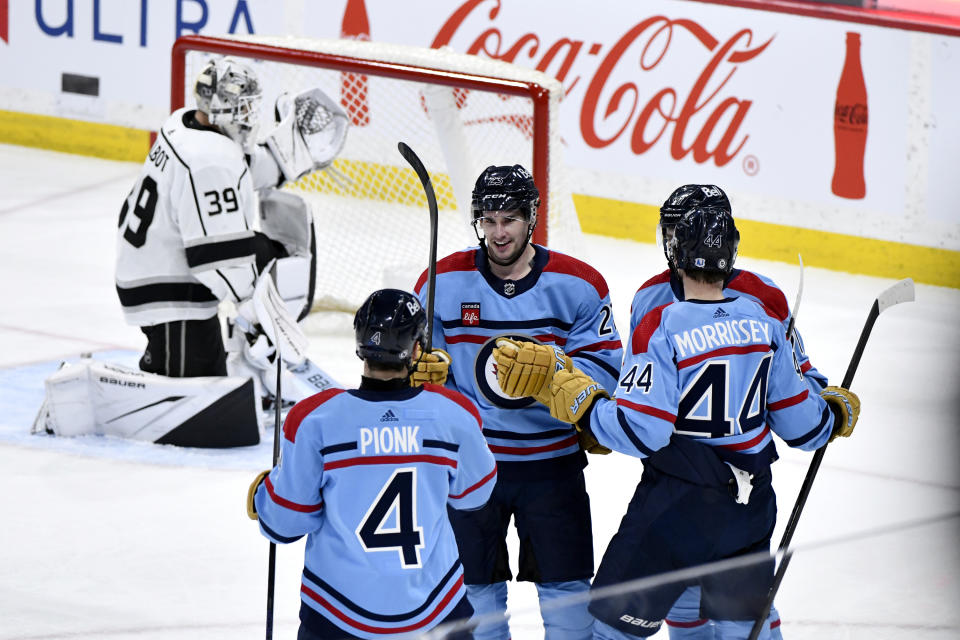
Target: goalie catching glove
x,y
311,130
432,367
528,368
845,406
252,493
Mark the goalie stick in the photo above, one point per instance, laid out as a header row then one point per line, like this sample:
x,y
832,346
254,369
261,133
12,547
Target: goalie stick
x,y
902,291
421,171
272,559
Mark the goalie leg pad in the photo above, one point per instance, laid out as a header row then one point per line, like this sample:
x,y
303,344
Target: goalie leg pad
x,y
102,398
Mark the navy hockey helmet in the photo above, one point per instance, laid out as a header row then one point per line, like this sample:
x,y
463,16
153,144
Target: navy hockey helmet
x,y
682,200
505,188
705,239
388,325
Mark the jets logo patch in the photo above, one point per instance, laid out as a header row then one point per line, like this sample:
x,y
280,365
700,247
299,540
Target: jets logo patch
x,y
485,375
470,314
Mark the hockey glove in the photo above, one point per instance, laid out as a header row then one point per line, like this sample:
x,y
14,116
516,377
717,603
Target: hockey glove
x,y
432,367
252,492
572,393
589,443
527,368
845,406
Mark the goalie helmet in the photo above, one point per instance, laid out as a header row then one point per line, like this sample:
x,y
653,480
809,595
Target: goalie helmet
x,y
705,239
388,325
505,188
682,200
229,93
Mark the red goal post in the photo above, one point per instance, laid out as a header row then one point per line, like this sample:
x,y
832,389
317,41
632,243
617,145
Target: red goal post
x,y
459,113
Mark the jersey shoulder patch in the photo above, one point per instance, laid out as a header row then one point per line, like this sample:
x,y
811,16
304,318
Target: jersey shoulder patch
x,y
660,278
562,263
465,260
645,328
763,289
302,409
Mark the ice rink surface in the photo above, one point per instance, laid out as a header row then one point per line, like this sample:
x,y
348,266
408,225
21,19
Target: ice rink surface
x,y
103,539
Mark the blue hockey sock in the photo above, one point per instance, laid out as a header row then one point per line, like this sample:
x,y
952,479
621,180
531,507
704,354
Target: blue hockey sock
x,y
489,602
570,622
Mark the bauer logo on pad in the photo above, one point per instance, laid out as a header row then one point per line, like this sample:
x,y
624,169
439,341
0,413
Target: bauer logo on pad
x,y
470,314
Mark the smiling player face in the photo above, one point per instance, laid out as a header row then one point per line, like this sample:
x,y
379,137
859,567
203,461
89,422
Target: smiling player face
x,y
505,234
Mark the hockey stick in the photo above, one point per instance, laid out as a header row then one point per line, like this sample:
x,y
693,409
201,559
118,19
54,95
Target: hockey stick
x,y
796,305
421,171
902,291
272,561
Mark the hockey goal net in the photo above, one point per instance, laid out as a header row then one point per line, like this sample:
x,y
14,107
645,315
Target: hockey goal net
x,y
459,113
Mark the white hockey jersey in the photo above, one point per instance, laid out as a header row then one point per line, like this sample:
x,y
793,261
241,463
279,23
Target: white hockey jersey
x,y
185,237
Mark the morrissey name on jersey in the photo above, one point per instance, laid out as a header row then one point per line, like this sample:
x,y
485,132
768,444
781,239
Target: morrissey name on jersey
x,y
724,333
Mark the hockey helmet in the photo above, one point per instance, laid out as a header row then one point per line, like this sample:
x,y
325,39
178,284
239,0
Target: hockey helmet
x,y
506,188
705,239
229,93
388,325
682,200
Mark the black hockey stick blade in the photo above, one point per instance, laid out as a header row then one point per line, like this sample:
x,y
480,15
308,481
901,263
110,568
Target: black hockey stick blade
x,y
421,172
902,291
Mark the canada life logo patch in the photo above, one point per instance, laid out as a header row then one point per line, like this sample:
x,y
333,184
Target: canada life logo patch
x,y
470,314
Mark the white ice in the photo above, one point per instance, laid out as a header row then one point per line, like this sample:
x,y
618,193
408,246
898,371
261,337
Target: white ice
x,y
106,540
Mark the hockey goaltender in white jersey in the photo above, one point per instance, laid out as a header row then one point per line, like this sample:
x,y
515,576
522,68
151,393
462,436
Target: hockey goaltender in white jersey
x,y
205,224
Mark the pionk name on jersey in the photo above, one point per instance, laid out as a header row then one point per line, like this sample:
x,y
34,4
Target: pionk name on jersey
x,y
720,334
389,439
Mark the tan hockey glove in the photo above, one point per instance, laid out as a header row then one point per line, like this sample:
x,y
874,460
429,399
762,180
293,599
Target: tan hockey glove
x,y
527,368
432,367
572,393
589,443
252,491
845,406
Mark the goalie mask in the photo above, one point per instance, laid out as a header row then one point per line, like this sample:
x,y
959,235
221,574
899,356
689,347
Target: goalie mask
x,y
682,200
506,189
229,93
705,239
388,325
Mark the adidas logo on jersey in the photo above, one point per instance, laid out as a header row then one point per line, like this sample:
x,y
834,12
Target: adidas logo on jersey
x,y
720,313
389,416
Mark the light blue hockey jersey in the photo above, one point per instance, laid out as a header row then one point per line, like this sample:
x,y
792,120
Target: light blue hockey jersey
x,y
562,301
367,476
721,373
666,287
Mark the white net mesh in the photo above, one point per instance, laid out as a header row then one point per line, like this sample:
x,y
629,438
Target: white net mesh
x,y
370,209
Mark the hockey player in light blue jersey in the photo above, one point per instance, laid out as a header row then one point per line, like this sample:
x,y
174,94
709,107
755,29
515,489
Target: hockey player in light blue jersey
x,y
684,621
508,286
368,475
704,385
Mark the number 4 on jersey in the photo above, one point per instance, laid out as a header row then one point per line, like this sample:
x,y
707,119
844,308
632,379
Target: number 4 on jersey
x,y
391,521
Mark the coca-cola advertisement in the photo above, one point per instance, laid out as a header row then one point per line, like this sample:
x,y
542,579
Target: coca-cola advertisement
x,y
808,119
